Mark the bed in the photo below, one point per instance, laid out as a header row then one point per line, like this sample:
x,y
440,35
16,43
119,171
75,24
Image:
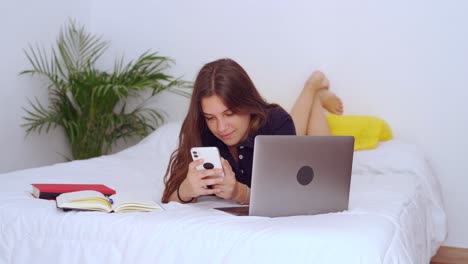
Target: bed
x,y
395,215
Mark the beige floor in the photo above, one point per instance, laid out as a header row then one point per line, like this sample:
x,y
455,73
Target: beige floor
x,y
450,255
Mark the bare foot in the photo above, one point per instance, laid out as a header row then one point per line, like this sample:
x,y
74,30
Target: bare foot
x,y
331,102
320,84
317,81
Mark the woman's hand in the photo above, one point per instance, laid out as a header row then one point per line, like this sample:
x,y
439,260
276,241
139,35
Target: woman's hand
x,y
196,181
226,188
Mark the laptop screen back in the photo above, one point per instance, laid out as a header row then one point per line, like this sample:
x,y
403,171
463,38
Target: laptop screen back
x,y
301,175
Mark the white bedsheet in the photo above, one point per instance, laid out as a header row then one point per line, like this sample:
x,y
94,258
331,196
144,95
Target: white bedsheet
x,y
395,216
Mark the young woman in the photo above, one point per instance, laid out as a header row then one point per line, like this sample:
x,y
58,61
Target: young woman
x,y
227,111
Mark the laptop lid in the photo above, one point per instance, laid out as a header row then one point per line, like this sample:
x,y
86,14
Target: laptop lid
x,y
300,175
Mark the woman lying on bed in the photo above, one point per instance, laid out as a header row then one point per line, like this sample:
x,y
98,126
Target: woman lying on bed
x,y
227,111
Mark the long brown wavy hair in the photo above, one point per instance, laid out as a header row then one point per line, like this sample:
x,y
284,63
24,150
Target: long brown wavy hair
x,y
229,81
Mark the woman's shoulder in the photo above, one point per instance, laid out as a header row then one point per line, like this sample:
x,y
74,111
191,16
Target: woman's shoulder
x,y
277,112
279,122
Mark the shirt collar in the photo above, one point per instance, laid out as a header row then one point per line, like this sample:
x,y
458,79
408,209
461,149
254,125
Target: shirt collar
x,y
249,142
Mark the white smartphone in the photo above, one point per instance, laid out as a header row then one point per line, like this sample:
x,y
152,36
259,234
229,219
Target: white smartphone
x,y
210,156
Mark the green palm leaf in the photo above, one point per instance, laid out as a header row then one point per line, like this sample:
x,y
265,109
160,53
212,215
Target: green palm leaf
x,y
93,105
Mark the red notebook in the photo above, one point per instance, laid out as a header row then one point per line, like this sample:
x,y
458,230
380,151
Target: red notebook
x,y
51,190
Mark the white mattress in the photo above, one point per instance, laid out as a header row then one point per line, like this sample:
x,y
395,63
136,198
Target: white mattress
x,y
395,216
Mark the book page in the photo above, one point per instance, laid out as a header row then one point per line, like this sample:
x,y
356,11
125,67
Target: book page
x,y
133,203
84,200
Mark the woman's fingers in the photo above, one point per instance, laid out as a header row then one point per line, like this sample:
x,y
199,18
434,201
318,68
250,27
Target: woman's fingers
x,y
227,187
227,168
226,164
208,191
208,173
199,179
195,163
212,181
200,174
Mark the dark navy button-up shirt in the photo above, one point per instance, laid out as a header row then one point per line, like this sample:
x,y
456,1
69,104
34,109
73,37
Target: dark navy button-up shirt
x,y
279,123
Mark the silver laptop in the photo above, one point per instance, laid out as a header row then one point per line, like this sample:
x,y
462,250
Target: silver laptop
x,y
301,175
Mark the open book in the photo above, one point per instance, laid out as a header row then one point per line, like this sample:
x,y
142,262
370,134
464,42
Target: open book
x,y
96,201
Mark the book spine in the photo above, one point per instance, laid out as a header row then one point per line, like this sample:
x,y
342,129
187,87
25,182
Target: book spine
x,y
53,195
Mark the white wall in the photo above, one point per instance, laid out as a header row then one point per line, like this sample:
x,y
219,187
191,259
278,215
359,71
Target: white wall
x,y
23,22
404,61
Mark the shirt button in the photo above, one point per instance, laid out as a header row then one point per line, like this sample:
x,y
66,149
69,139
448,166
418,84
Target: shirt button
x,y
241,147
241,157
242,171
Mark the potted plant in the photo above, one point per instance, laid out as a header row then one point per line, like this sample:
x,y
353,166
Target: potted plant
x,y
90,104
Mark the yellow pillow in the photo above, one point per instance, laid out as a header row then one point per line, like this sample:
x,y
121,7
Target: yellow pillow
x,y
367,130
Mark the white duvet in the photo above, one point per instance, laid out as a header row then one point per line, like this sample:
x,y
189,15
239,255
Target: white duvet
x,y
395,216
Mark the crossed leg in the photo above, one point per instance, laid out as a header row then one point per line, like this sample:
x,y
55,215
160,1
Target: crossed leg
x,y
308,112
